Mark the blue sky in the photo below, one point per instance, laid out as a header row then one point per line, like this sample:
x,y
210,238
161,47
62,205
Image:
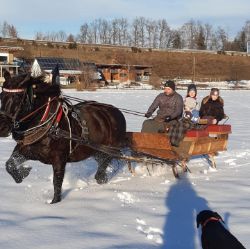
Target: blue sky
x,y
31,16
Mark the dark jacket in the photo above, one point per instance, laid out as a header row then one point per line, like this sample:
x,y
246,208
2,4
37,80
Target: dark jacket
x,y
169,105
210,108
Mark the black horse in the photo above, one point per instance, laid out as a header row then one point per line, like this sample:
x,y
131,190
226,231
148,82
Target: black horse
x,y
47,128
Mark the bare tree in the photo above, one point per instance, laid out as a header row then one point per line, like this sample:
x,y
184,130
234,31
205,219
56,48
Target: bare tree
x,y
247,30
200,39
62,36
135,33
103,28
176,40
138,32
208,31
94,31
8,30
83,36
39,36
86,78
123,35
222,37
151,33
165,34
189,32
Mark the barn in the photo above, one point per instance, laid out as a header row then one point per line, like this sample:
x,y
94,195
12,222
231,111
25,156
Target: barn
x,y
7,60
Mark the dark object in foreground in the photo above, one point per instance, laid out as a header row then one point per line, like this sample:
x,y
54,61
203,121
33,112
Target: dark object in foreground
x,y
214,234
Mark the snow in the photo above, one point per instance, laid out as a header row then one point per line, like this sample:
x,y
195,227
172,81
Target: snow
x,y
130,212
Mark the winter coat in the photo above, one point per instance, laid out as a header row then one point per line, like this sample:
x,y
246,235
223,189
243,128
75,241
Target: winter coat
x,y
169,105
190,104
210,108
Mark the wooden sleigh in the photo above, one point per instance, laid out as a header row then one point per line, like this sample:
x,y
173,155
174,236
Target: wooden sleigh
x,y
208,141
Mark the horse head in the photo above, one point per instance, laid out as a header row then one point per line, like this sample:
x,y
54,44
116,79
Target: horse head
x,y
22,94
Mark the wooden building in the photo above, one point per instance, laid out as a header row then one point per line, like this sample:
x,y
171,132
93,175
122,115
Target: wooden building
x,y
123,73
7,60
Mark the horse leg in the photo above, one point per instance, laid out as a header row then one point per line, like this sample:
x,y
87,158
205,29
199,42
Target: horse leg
x,y
14,166
58,175
103,161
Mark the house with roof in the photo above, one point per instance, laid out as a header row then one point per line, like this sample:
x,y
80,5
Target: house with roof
x,y
69,69
125,73
7,60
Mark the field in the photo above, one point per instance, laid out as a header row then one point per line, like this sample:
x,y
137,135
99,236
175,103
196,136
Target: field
x,y
141,212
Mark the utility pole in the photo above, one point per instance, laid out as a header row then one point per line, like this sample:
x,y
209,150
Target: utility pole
x,y
194,65
128,73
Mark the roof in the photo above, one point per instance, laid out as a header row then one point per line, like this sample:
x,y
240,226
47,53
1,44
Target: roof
x,y
122,65
49,63
10,49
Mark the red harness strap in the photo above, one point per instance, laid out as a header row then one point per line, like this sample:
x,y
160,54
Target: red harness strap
x,y
59,115
46,113
210,219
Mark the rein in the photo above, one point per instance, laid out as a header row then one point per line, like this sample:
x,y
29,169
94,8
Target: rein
x,y
16,90
141,114
36,110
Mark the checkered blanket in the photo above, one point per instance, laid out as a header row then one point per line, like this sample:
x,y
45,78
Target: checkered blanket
x,y
178,130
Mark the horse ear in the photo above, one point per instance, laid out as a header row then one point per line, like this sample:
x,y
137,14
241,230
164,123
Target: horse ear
x,y
7,75
55,76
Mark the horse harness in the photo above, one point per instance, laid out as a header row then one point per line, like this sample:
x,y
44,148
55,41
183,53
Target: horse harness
x,y
49,121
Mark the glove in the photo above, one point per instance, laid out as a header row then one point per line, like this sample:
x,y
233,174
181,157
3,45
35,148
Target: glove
x,y
167,119
147,115
188,115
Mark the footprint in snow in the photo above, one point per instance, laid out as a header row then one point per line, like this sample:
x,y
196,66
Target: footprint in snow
x,y
151,233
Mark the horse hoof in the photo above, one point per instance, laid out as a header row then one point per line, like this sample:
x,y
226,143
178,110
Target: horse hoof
x,y
24,172
101,179
17,179
55,200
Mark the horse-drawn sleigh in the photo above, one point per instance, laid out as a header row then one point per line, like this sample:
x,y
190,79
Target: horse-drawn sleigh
x,y
206,141
49,128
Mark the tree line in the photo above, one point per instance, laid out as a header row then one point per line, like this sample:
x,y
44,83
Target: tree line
x,y
146,33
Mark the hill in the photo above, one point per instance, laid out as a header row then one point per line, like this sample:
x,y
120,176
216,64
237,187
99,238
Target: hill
x,y
185,64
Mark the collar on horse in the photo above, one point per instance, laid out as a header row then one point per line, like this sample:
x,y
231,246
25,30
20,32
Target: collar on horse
x,y
210,219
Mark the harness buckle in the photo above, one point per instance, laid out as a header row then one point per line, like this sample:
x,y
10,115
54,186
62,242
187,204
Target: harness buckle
x,y
16,125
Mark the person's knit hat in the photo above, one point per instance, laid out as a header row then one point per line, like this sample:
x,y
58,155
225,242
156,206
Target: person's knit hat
x,y
214,90
192,87
170,84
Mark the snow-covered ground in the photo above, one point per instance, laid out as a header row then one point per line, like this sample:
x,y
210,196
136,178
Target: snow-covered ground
x,y
141,212
182,84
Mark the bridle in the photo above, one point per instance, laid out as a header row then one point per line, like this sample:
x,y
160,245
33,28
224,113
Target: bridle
x,y
24,97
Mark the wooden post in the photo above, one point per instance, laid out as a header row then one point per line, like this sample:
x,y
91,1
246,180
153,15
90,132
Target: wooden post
x,y
194,65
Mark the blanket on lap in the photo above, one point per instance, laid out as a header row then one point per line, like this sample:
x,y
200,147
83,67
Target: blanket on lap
x,y
178,129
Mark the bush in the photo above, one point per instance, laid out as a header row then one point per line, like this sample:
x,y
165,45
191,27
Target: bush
x,y
72,45
50,45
